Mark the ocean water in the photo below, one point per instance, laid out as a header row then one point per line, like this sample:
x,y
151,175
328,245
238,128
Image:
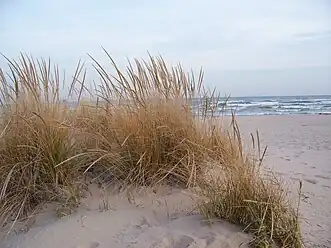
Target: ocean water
x,y
275,105
261,105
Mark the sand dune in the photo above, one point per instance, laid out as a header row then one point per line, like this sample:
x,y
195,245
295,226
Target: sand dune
x,y
163,219
299,149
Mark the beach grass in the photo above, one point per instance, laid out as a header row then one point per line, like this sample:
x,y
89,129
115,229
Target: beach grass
x,y
247,195
36,136
137,129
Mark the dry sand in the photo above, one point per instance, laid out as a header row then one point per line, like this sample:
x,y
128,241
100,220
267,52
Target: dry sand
x,y
299,148
162,218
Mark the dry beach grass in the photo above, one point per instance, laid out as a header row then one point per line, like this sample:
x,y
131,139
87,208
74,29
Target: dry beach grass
x,y
141,132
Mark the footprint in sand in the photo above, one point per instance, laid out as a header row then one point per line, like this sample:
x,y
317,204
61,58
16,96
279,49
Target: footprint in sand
x,y
209,238
182,241
89,245
323,177
285,158
312,181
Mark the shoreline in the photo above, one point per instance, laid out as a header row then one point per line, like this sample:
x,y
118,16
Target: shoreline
x,y
272,115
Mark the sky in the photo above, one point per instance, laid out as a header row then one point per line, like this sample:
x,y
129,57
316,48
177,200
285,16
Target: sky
x,y
246,48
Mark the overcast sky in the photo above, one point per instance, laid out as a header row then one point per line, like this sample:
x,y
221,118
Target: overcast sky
x,y
247,47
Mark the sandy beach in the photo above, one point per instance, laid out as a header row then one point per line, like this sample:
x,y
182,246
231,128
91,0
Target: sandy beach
x,y
298,149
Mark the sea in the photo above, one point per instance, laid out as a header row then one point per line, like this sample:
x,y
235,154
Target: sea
x,y
263,105
275,105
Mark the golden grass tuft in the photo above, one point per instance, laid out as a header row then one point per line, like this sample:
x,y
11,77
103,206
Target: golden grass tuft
x,y
36,136
138,129
247,195
243,195
145,132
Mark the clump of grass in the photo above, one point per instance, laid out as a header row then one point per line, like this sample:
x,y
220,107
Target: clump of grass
x,y
244,195
152,124
36,136
145,131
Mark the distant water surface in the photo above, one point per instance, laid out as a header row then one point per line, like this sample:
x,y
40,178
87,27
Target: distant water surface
x,y
275,105
266,105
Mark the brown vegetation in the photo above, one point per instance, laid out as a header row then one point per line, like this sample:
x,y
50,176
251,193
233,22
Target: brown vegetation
x,y
140,131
